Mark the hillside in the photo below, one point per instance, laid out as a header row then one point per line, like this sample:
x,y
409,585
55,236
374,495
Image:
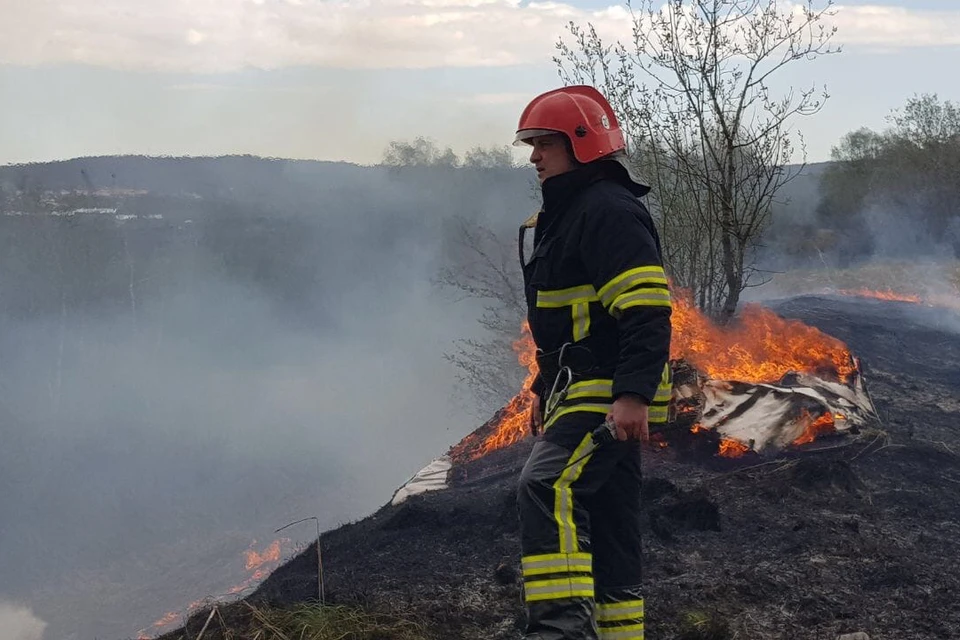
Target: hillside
x,y
858,538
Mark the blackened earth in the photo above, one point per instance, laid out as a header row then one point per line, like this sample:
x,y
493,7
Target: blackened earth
x,y
864,537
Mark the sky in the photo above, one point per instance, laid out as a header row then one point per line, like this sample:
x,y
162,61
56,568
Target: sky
x,y
340,79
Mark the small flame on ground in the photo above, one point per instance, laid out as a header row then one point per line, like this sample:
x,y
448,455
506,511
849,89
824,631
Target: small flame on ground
x,y
260,561
887,294
255,559
728,448
732,448
933,300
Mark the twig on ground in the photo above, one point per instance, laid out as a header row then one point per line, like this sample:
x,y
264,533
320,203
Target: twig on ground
x,y
939,442
206,624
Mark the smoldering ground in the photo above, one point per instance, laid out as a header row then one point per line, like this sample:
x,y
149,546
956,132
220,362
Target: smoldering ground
x,y
191,387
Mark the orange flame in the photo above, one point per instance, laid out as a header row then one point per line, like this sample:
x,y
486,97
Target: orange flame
x,y
732,448
887,294
939,300
815,428
261,561
759,346
515,417
256,560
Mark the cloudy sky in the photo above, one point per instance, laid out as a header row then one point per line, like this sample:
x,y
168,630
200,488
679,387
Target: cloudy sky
x,y
338,79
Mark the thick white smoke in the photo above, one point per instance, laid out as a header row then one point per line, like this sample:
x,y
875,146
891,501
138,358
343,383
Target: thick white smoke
x,y
19,623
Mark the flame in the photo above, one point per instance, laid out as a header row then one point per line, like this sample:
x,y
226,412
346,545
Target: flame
x,y
815,428
255,560
728,447
732,448
260,562
515,417
938,300
759,346
887,294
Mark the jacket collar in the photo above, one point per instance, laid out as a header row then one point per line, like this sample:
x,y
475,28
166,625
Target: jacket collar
x,y
559,191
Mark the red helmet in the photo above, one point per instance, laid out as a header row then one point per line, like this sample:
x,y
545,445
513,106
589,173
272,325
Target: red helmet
x,y
582,113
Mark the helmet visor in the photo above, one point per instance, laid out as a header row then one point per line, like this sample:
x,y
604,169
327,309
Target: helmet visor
x,y
524,136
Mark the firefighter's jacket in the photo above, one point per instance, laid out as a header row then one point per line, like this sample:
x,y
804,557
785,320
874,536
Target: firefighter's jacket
x,y
595,282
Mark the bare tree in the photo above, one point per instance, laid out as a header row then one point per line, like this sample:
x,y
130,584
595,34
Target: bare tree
x,y
483,266
692,89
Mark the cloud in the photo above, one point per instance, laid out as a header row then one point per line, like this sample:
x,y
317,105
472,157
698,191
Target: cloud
x,y
229,35
490,99
898,26
19,623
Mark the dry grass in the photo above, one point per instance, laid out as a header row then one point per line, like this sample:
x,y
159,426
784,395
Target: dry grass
x,y
312,622
701,625
307,621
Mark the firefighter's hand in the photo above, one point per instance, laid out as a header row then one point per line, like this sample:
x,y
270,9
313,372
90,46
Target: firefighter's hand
x,y
536,418
629,413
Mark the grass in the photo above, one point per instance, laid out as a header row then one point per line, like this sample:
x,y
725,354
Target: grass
x,y
313,622
700,625
245,621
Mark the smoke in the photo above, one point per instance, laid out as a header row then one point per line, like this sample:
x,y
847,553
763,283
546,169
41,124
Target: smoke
x,y
19,623
172,391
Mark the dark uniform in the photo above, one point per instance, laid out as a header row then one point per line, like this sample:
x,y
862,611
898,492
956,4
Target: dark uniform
x,y
596,292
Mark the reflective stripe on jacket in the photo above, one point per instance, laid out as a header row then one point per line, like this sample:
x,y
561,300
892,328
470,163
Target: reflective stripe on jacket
x,y
595,279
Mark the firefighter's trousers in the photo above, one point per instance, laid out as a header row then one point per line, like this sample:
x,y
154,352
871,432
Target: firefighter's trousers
x,y
580,535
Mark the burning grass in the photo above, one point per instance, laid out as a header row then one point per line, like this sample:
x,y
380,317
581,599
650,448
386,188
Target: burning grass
x,y
758,347
933,284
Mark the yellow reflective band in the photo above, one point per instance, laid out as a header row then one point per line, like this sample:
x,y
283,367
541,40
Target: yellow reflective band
x,y
620,611
587,407
629,279
599,388
663,394
557,563
629,632
581,587
581,321
658,414
566,297
642,298
563,496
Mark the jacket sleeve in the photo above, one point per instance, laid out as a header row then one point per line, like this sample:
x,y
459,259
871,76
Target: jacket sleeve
x,y
622,255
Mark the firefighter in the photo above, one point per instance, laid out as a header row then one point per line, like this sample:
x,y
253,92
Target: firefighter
x,y
599,309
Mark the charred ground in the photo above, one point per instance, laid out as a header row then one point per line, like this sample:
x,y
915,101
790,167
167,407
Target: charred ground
x,y
863,537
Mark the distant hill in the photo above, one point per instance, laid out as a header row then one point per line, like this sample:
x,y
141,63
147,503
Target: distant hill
x,y
203,176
